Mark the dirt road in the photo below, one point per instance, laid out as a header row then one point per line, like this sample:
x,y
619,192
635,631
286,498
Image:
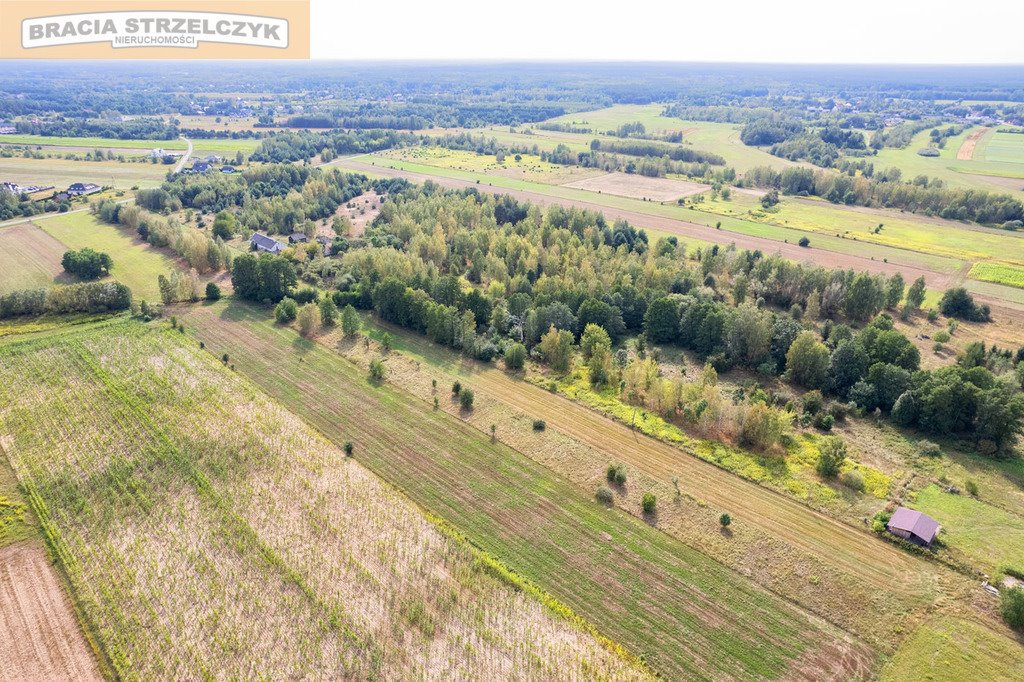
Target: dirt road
x,y
966,151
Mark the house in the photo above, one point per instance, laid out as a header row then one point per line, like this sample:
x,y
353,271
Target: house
x,y
81,188
228,169
263,243
297,238
200,167
7,129
912,525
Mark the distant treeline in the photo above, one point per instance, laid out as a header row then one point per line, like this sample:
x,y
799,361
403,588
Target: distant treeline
x,y
90,297
305,144
954,204
643,148
133,129
420,115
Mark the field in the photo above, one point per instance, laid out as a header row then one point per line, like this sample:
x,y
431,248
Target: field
x,y
136,264
999,273
639,187
92,142
952,650
60,173
206,531
1005,147
29,258
633,581
990,536
529,168
42,639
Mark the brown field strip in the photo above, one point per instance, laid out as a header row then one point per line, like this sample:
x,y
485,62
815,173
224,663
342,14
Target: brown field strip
x,y
640,186
29,257
966,151
40,638
690,616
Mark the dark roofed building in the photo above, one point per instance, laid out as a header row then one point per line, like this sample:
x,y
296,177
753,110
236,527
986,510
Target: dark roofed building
x,y
200,167
227,169
912,525
264,243
297,238
79,188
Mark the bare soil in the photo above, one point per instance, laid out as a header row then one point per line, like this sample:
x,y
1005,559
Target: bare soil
x,y
966,151
639,186
40,635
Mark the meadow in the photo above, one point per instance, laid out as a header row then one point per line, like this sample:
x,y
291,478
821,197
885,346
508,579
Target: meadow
x,y
92,142
29,258
955,649
136,264
633,581
207,532
1004,147
59,172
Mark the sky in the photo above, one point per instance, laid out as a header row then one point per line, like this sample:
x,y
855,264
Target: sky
x,y
779,31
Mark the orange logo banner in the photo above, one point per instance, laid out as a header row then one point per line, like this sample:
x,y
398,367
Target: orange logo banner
x,y
156,29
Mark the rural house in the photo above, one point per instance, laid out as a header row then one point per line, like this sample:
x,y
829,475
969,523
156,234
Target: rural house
x,y
227,169
81,188
263,243
912,525
297,238
200,167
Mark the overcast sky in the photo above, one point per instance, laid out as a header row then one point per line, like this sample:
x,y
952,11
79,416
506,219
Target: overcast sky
x,y
809,31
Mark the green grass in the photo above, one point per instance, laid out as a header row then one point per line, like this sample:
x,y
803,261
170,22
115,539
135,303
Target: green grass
x,y
1005,147
29,258
954,649
225,146
635,582
999,273
988,535
17,522
136,264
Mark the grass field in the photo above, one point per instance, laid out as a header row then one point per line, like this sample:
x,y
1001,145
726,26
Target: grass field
x,y
1005,147
93,142
988,535
29,258
937,237
529,168
633,581
209,533
136,264
60,173
952,650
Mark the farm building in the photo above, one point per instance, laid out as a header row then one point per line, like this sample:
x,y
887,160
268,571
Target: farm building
x,y
227,169
200,167
266,244
81,188
908,524
297,238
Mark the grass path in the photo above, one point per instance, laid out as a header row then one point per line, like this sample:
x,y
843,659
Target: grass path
x,y
688,615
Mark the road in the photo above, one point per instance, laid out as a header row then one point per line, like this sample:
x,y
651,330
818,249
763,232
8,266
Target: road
x,y
188,153
935,280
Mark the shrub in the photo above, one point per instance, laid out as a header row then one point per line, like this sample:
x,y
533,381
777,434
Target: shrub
x,y
725,520
649,502
1011,605
386,341
832,454
941,336
605,495
376,369
616,474
971,487
854,480
804,242
539,425
466,399
212,292
813,401
824,421
286,310
515,356
928,448
456,388
349,448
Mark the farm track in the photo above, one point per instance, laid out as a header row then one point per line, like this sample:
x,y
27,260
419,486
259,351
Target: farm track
x,y
935,280
966,151
634,582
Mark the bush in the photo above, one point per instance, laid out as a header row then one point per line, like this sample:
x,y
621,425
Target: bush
x,y
466,399
616,474
832,454
971,487
456,388
539,425
286,310
515,357
649,502
376,369
813,402
349,448
605,495
824,421
804,242
725,520
1011,605
212,292
928,448
854,480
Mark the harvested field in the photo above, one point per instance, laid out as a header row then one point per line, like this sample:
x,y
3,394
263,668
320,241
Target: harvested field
x,y
640,187
966,151
633,581
29,258
207,532
41,637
